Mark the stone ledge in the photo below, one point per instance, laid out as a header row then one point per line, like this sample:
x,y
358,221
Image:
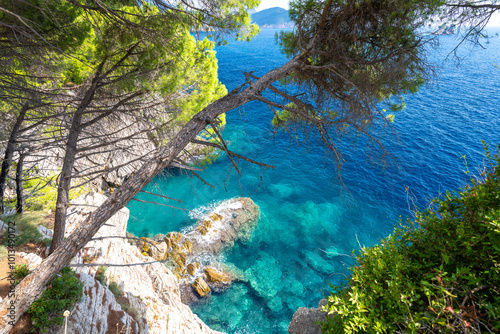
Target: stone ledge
x,y
304,320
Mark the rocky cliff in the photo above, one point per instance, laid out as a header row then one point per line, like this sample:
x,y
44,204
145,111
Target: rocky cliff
x,y
114,148
149,293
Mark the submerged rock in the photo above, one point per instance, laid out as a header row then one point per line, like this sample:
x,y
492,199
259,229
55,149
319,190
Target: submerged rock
x,y
318,263
232,220
275,304
265,277
294,287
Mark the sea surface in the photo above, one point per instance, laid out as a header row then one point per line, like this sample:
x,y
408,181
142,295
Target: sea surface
x,y
310,225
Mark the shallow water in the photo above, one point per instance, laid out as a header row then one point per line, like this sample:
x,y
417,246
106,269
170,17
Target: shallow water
x,y
309,225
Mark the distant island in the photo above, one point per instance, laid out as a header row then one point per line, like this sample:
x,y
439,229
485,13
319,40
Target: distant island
x,y
272,18
445,30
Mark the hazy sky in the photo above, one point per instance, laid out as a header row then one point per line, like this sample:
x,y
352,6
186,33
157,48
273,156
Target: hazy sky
x,y
264,4
495,20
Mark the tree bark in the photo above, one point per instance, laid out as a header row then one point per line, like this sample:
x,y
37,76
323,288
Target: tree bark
x,y
68,163
32,286
19,184
9,152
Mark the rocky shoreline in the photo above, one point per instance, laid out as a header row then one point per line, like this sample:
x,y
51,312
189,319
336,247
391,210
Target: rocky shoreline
x,y
191,256
183,270
148,298
152,298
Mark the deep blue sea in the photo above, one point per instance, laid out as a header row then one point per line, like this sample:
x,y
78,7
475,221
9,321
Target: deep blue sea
x,y
307,221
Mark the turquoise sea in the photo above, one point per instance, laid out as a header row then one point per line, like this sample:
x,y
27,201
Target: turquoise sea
x,y
309,225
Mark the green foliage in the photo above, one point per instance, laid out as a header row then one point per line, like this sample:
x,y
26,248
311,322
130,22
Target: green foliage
x,y
281,117
26,61
25,229
208,156
20,271
364,52
438,273
56,29
115,289
62,293
100,275
44,193
172,65
294,117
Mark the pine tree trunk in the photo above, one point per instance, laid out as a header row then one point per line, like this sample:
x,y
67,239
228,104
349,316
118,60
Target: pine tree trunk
x,y
67,168
9,152
65,182
19,184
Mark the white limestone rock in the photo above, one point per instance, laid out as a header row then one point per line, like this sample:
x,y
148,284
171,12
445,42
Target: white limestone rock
x,y
99,312
32,260
231,220
45,232
151,289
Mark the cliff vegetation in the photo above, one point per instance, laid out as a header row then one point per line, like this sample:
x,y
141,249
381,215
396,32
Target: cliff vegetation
x,y
438,273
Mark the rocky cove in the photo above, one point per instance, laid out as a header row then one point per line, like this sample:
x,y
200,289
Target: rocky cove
x,y
184,267
120,295
151,292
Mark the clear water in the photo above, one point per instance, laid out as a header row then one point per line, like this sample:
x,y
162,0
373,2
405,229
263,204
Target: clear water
x,y
306,219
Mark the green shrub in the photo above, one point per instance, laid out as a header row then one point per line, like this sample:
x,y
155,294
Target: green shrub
x,y
100,275
115,289
62,293
20,271
437,274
